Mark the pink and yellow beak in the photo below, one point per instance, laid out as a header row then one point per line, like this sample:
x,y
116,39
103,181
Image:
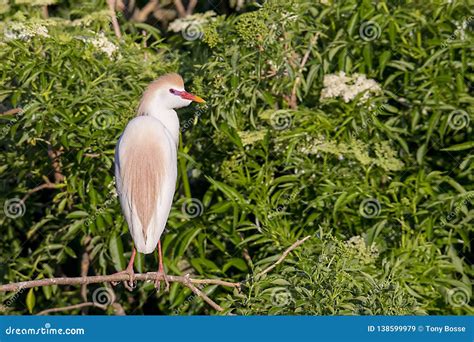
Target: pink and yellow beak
x,y
188,96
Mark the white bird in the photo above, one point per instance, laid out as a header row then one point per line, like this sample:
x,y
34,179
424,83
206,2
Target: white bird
x,y
146,165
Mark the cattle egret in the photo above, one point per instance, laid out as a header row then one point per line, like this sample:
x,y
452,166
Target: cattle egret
x,y
146,165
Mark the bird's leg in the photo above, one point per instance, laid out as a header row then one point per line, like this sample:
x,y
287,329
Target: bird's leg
x,y
130,285
161,271
131,272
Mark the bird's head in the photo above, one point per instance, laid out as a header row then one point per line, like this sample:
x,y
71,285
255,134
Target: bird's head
x,y
167,92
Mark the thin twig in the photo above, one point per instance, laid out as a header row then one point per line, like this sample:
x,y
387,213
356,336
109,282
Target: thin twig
x,y
72,307
84,270
112,278
58,176
293,101
201,294
283,256
56,164
180,8
191,6
142,14
44,12
113,17
12,111
92,155
47,185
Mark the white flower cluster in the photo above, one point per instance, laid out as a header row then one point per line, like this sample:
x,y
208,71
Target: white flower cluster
x,y
349,87
101,43
251,137
357,244
198,19
21,31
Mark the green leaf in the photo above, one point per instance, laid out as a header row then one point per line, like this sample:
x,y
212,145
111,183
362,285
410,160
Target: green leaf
x,y
238,263
30,300
116,252
77,214
460,147
420,153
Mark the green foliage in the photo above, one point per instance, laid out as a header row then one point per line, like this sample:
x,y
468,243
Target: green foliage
x,y
382,180
328,278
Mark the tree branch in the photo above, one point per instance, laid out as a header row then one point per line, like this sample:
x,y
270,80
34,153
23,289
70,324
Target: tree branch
x,y
283,256
191,6
141,15
201,294
56,164
72,307
150,276
12,111
85,263
293,100
58,176
47,185
118,277
180,8
113,17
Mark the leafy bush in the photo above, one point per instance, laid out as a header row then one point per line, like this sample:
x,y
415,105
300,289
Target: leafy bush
x,y
374,162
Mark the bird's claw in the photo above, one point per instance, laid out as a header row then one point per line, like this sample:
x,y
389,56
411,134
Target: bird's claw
x,y
158,282
129,284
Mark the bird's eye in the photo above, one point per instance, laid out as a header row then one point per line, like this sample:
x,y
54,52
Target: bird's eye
x,y
172,91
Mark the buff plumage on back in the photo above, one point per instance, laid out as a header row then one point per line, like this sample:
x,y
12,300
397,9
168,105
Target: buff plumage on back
x,y
142,175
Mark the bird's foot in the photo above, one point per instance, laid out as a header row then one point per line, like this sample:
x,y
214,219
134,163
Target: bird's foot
x,y
158,281
129,284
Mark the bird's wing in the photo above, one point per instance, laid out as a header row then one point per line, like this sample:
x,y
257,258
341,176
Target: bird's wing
x,y
146,171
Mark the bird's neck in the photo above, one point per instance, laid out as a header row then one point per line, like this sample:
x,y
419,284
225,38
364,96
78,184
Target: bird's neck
x,y
168,117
